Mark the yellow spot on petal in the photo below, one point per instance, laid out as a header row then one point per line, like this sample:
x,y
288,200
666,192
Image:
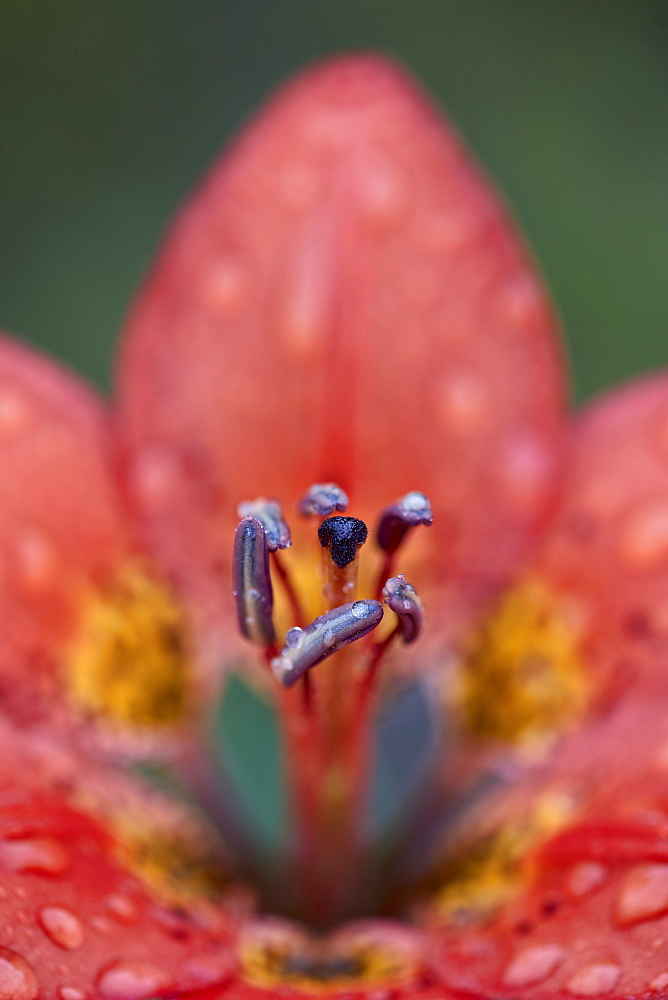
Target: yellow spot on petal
x,y
130,661
473,883
523,677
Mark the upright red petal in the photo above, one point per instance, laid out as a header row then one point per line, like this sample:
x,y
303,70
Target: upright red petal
x,y
60,525
344,298
608,548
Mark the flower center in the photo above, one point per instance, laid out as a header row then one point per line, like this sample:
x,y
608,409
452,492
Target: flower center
x,y
327,670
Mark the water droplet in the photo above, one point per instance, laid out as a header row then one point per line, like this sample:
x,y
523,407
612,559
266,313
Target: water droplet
x,y
37,854
463,401
17,977
659,982
595,979
211,969
36,560
154,476
382,190
533,964
519,300
15,412
524,469
121,907
62,926
70,993
131,981
643,540
224,284
643,895
584,877
328,637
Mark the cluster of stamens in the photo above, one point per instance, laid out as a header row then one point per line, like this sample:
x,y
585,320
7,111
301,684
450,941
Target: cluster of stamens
x,y
263,531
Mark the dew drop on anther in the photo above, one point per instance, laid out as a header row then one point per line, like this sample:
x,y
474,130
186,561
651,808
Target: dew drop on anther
x,y
17,977
61,926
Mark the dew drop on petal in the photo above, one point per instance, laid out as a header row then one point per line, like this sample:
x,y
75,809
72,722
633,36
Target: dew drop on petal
x,y
463,401
643,540
593,980
533,964
154,477
584,877
70,993
35,854
643,894
211,969
36,560
383,192
61,926
121,907
659,982
131,981
15,412
224,284
17,977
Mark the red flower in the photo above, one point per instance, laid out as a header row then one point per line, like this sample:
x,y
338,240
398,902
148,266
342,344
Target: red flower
x,y
345,301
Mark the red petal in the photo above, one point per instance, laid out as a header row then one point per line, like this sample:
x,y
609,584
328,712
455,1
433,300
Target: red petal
x,y
59,521
608,548
344,298
74,924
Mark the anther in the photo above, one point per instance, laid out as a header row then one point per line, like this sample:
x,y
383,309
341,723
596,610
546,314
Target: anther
x,y
323,499
270,515
305,648
401,597
409,511
343,537
252,582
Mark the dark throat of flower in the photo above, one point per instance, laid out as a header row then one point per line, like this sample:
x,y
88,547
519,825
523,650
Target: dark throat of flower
x,y
327,672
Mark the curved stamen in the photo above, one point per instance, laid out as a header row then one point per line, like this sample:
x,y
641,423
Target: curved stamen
x,y
252,583
409,511
270,515
401,597
305,648
322,499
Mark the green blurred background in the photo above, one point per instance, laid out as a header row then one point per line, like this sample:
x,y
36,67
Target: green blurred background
x,y
110,109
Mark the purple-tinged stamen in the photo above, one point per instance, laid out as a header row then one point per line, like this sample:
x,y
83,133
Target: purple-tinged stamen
x,y
401,597
305,648
409,511
270,515
343,537
323,499
252,582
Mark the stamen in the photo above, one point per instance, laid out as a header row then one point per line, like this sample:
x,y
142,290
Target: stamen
x,y
270,514
401,597
305,648
340,538
252,583
322,499
409,511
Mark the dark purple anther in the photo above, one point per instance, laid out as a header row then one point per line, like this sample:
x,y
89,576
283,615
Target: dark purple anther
x,y
322,500
304,648
395,521
270,515
401,597
342,536
252,583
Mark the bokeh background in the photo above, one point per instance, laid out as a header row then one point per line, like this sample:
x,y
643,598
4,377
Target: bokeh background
x,y
111,109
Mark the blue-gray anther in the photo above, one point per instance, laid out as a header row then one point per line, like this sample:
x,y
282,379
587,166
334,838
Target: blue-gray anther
x,y
304,648
395,521
252,582
270,515
401,597
322,500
